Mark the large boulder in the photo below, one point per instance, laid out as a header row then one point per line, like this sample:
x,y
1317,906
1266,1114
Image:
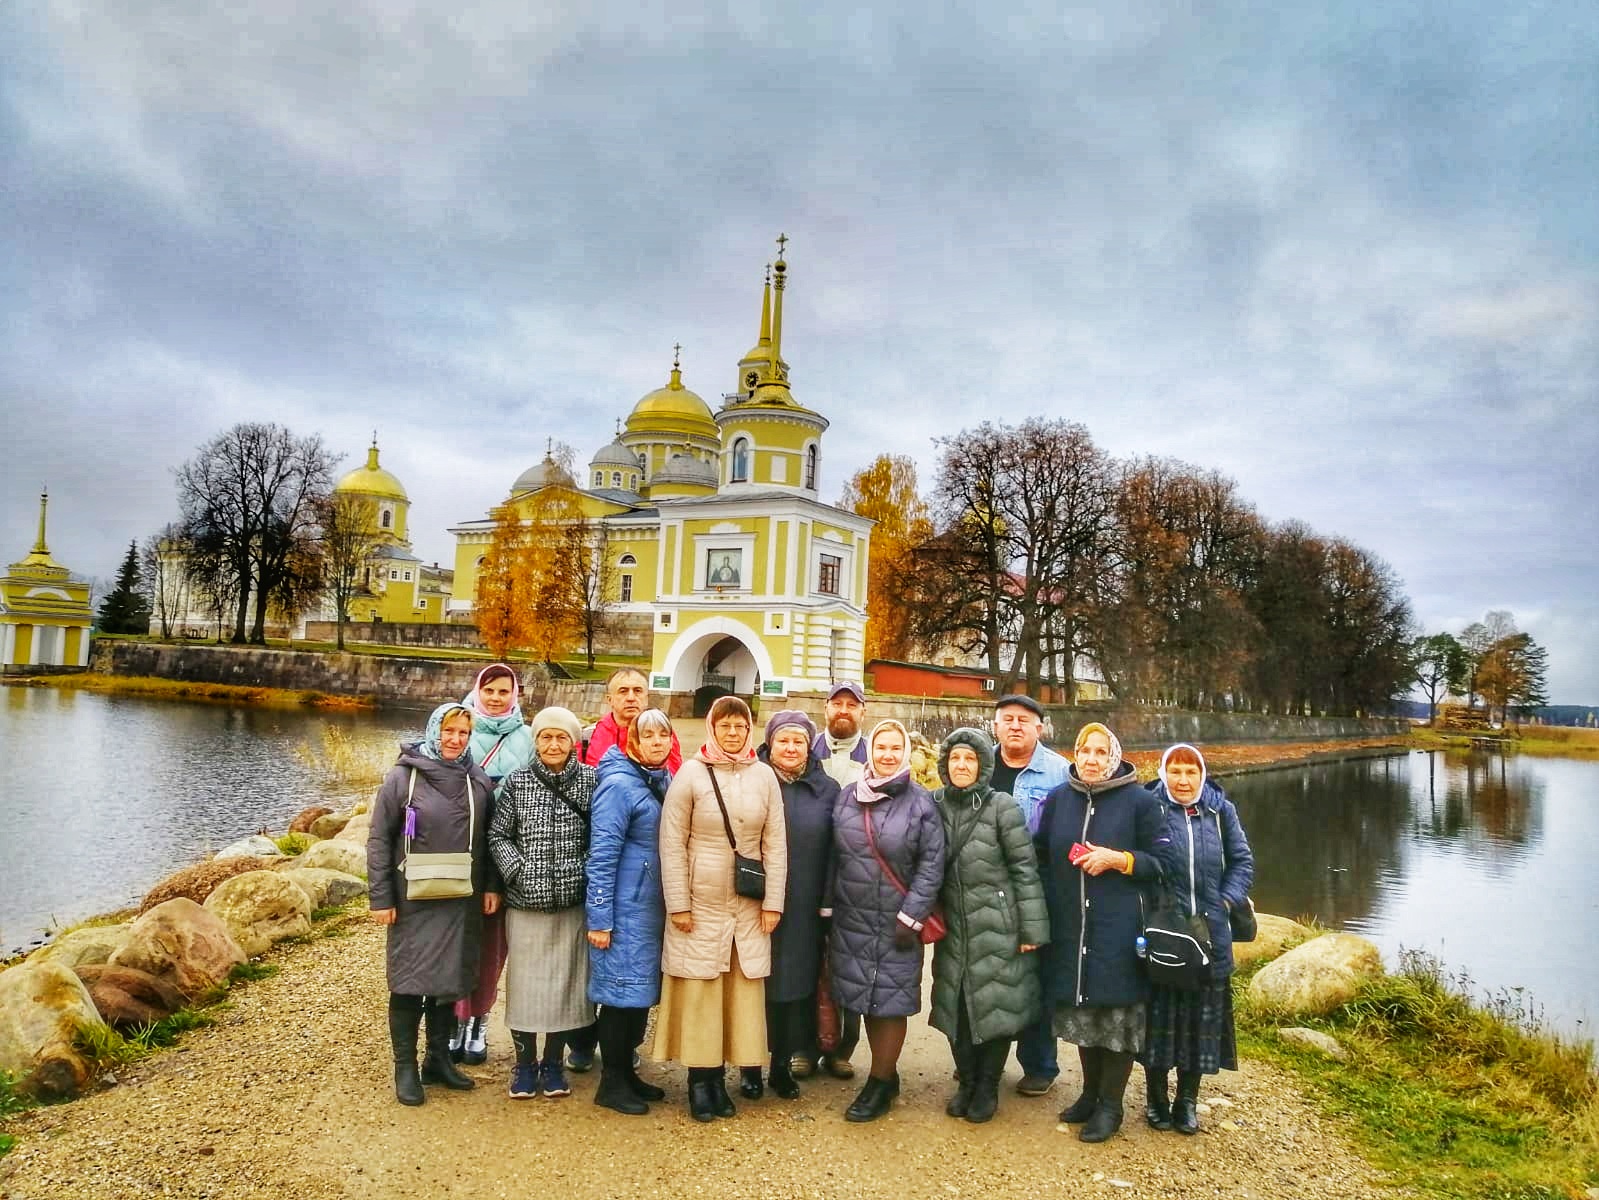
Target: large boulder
x,y
326,889
329,824
257,845
261,909
307,817
356,831
1274,936
182,943
199,881
43,1008
83,947
349,857
1316,977
127,998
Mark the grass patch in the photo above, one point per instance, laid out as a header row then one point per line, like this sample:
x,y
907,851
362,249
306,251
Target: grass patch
x,y
11,1103
178,689
293,844
1455,1096
1545,741
249,972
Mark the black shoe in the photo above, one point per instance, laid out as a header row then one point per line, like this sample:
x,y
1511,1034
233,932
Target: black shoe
x,y
1107,1119
1080,1109
701,1100
1185,1109
407,1084
874,1099
724,1102
579,1062
437,1068
616,1092
781,1080
749,1083
961,1102
644,1091
1157,1105
985,1099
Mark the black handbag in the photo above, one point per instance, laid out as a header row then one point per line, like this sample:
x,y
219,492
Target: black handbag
x,y
1177,949
1240,918
749,874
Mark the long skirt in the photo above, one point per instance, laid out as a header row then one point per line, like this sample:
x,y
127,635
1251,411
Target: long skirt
x,y
547,971
1110,1028
1192,1031
708,1022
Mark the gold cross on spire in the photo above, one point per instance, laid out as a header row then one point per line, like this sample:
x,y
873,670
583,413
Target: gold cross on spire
x,y
677,355
549,447
782,244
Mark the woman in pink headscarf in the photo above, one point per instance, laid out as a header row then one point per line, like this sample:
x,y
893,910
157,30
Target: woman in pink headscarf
x,y
717,950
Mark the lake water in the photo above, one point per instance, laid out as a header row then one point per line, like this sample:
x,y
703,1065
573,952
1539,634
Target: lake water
x,y
1486,862
101,796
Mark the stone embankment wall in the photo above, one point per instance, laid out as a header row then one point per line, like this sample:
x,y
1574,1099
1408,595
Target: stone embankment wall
x,y
625,633
423,682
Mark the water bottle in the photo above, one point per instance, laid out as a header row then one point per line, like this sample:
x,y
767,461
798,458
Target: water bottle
x,y
1141,947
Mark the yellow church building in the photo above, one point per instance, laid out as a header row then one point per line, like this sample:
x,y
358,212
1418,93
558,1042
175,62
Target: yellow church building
x,y
720,546
396,585
45,615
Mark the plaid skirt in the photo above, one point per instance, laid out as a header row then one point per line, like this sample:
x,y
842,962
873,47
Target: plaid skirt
x,y
1192,1031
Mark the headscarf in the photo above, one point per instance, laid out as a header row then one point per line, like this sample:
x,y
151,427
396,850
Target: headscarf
x,y
869,789
983,745
710,752
429,745
556,717
789,718
651,718
1203,774
1115,746
508,721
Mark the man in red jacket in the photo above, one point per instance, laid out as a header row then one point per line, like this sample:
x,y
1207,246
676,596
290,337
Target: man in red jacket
x,y
627,692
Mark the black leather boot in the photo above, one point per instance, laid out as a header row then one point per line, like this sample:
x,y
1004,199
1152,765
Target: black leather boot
x,y
780,1078
1114,1068
616,1092
875,1099
403,1022
990,1065
436,1064
1157,1102
1083,1107
750,1085
965,1073
724,1102
701,1094
1185,1109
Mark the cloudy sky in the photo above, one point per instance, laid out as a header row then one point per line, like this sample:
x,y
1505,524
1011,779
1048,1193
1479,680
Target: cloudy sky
x,y
1347,254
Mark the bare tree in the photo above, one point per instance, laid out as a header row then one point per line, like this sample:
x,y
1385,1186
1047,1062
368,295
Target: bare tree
x,y
593,579
349,534
162,558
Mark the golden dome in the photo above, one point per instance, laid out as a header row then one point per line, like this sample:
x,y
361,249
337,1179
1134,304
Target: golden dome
x,y
672,408
372,480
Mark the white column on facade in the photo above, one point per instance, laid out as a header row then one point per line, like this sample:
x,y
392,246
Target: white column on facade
x,y
83,649
8,643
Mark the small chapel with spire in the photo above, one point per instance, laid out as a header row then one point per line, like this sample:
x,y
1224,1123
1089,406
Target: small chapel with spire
x,y
45,614
734,573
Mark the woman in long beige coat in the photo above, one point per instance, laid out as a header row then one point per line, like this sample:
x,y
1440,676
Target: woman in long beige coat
x,y
717,950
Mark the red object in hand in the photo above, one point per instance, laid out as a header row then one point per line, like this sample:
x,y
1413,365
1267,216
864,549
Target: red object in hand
x,y
1077,853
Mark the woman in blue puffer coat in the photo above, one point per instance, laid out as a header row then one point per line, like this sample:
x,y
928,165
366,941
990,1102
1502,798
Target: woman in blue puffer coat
x,y
1206,860
625,908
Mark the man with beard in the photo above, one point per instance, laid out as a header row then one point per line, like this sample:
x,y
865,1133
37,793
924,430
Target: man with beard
x,y
1029,770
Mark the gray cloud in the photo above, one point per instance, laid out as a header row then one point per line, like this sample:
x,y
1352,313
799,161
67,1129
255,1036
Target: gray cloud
x,y
1348,257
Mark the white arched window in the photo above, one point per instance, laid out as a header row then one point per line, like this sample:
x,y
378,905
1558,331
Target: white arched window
x,y
599,478
627,560
741,460
387,520
810,467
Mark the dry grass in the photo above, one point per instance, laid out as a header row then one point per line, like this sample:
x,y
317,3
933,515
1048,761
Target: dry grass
x,y
177,689
345,763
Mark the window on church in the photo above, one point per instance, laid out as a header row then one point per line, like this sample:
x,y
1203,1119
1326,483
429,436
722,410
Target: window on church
x,y
616,479
627,589
394,574
406,577
810,467
388,518
627,560
741,460
828,574
599,478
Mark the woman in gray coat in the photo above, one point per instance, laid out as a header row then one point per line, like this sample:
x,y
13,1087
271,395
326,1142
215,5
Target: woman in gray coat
x,y
883,823
985,976
433,801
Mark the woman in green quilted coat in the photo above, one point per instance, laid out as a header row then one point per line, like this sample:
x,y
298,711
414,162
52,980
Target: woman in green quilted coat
x,y
985,976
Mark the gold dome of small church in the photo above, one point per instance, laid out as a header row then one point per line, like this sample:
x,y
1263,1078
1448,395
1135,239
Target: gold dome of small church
x,y
672,409
372,480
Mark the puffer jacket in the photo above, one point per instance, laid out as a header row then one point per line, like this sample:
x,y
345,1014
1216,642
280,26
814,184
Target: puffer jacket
x,y
1095,920
539,840
797,941
1198,841
993,904
624,881
871,975
697,867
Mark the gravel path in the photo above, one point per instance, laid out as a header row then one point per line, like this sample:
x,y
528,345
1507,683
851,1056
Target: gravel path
x,y
289,1095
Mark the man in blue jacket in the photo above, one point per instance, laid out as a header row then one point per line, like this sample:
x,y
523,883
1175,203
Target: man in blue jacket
x,y
1029,771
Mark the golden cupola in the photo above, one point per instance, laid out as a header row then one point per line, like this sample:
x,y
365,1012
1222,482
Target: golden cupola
x,y
669,421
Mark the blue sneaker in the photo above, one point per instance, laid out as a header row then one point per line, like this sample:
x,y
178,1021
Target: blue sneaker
x,y
552,1080
524,1082
580,1061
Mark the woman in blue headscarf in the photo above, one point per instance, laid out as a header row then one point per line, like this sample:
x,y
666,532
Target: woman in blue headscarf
x,y
434,800
502,745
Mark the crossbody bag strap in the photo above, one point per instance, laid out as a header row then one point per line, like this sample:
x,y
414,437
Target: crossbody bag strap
x,y
721,804
560,795
410,791
494,749
871,844
471,811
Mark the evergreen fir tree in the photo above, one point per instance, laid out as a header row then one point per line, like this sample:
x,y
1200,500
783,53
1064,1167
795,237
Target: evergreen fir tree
x,y
126,609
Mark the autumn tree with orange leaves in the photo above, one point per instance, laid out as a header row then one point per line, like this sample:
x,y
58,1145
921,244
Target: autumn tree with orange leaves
x,y
886,492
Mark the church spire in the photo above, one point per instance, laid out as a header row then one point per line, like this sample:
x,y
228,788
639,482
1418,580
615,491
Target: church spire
x,y
39,545
780,274
372,453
